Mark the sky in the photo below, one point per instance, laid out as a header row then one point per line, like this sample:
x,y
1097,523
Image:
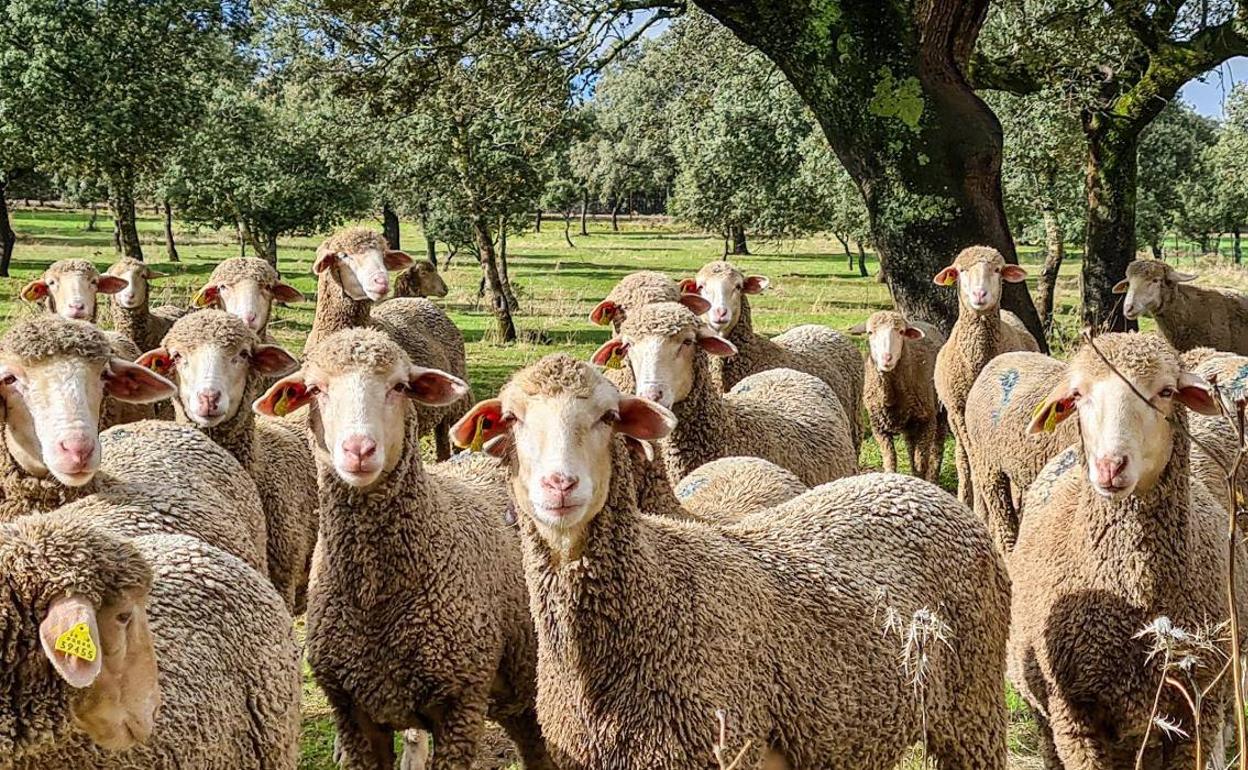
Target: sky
x,y
1207,96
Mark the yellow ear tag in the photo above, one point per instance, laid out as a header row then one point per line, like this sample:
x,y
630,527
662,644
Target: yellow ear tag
x,y
282,407
201,298
478,438
615,362
78,643
1055,413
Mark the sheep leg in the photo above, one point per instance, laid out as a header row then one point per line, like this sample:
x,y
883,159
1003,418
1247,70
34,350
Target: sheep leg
x,y
922,460
888,451
1044,739
364,744
525,732
966,490
415,750
456,737
442,440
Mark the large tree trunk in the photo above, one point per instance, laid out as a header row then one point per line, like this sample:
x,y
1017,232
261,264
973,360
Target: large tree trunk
x,y
127,226
243,237
739,245
92,225
584,215
1054,253
390,225
862,260
171,248
504,269
1110,233
494,282
263,244
8,238
886,82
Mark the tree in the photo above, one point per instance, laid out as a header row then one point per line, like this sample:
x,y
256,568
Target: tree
x,y
1228,163
828,200
1173,190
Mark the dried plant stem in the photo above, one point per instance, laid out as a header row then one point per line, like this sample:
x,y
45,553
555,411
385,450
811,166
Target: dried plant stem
x,y
1194,705
1152,713
721,746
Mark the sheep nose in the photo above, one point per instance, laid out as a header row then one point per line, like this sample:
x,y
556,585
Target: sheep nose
x,y
356,451
209,401
886,358
77,450
1108,469
380,283
559,483
651,392
719,314
250,319
979,295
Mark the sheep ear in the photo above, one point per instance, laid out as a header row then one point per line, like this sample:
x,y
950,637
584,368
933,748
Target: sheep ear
x,y
1195,394
483,423
324,259
111,284
611,353
688,286
911,333
1013,274
272,361
285,293
604,312
1178,277
206,296
157,360
71,641
696,303
643,420
434,387
946,277
1121,287
755,284
858,328
285,396
396,260
35,291
136,384
1057,406
714,344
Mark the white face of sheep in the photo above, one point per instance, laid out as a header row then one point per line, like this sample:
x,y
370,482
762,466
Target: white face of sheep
x,y
136,291
247,299
53,410
561,444
663,365
1144,292
72,294
979,283
364,275
212,377
116,695
359,414
724,292
887,342
1127,441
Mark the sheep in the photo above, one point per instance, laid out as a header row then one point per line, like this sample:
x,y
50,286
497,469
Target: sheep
x,y
818,350
1116,535
729,488
420,280
53,376
1005,458
351,268
118,412
133,316
1215,439
220,367
646,626
790,418
982,332
642,288
69,287
187,655
1188,316
900,390
245,287
395,534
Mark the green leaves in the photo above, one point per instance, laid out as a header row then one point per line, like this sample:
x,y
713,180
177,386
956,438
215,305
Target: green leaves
x,y
897,99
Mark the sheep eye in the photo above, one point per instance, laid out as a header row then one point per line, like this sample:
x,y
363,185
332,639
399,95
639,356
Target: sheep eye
x,y
1167,393
124,618
686,343
611,417
8,379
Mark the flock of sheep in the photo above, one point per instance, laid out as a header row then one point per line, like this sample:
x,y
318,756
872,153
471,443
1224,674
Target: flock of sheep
x,y
662,558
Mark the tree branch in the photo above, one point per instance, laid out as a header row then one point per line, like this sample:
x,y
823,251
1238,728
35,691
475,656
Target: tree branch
x,y
1006,73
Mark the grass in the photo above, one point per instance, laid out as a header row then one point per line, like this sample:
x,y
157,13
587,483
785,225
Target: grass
x,y
557,286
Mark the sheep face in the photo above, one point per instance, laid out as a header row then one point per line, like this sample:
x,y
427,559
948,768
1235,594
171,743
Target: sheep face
x,y
887,334
71,291
724,288
212,374
1148,285
363,274
137,277
663,365
53,409
428,282
117,693
978,272
1127,441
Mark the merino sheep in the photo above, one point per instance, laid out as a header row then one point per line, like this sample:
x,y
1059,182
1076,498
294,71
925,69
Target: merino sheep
x,y
643,288
729,488
647,626
187,656
119,412
900,390
1115,537
245,287
69,288
220,367
1005,457
395,534
352,268
818,350
420,280
982,332
790,418
1215,438
133,316
1188,316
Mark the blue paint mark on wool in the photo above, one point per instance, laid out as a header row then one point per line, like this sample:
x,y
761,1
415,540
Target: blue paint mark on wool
x,y
689,487
1008,379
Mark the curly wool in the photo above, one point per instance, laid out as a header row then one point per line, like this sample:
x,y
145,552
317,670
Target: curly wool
x,y
353,240
210,327
39,338
420,280
237,269
144,325
67,266
367,349
727,489
1196,316
641,288
1215,439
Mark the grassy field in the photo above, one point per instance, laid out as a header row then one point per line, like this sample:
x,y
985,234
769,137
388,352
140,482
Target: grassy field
x,y
557,286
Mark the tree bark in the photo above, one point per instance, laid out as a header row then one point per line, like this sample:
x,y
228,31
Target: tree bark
x,y
1109,185
116,236
567,229
92,223
504,268
849,255
886,82
8,238
494,282
243,237
584,215
390,225
1235,247
171,248
615,216
1054,253
862,260
537,224
263,244
739,244
431,251
127,225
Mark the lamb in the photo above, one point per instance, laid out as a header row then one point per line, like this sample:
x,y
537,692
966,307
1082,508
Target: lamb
x,y
352,268
420,280
818,350
705,617
133,316
53,377
790,418
1188,316
982,332
1105,551
220,367
900,390
200,668
1005,458
245,287
69,288
397,534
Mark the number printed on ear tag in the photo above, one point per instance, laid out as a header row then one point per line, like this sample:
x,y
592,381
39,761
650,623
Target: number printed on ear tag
x,y
78,643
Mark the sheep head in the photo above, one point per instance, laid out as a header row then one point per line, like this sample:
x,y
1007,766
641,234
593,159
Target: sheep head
x,y
1149,285
360,261
724,287
887,332
138,277
978,272
246,287
642,288
69,287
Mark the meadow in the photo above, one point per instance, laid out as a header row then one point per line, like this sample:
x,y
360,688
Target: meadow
x,y
557,286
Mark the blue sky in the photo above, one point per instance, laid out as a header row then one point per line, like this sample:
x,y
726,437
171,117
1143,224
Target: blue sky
x,y
1207,96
